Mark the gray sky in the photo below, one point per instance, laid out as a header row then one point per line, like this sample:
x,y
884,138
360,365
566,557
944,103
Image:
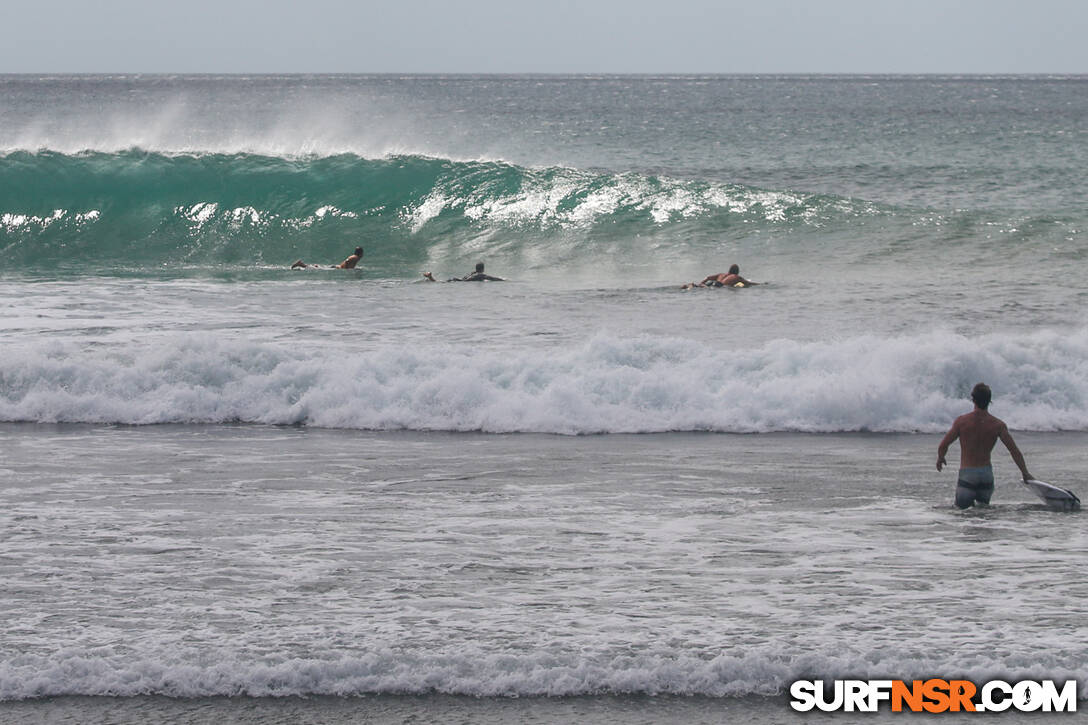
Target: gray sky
x,y
553,36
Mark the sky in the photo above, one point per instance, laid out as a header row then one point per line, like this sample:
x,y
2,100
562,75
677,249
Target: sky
x,y
553,36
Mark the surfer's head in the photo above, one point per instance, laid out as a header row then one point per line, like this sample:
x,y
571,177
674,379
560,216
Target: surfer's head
x,y
981,394
734,269
358,251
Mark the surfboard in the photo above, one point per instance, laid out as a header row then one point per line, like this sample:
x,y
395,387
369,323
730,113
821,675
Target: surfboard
x,y
1058,499
737,285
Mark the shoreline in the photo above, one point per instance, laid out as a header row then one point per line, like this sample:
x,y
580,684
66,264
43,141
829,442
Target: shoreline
x,y
389,709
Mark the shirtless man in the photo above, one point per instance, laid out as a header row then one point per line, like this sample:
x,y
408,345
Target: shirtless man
x,y
978,431
477,276
348,263
723,279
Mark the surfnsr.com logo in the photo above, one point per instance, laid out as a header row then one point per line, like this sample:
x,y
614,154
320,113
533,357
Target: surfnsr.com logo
x,y
934,695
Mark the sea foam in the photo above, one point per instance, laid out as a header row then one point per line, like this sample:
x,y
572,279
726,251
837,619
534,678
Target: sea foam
x,y
479,674
606,384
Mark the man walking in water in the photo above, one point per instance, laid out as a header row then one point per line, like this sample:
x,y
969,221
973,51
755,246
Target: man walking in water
x,y
978,431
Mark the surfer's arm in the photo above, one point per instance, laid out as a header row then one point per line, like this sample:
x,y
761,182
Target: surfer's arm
x,y
1014,451
942,449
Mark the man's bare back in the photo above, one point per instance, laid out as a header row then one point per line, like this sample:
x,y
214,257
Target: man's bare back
x,y
977,432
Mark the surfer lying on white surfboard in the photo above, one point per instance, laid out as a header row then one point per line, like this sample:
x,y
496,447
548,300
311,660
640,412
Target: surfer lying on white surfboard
x,y
731,278
977,432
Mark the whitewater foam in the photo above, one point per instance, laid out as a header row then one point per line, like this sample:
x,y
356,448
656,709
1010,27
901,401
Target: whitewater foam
x,y
477,674
606,385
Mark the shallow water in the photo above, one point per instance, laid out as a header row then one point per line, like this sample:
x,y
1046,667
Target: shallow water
x,y
200,561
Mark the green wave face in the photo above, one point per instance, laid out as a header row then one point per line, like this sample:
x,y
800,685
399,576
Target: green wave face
x,y
145,210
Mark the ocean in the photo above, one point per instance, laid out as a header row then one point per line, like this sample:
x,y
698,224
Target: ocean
x,y
233,491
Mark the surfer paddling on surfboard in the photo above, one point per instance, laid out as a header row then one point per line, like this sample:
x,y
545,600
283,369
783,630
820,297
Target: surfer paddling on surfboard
x,y
978,431
349,263
477,276
731,278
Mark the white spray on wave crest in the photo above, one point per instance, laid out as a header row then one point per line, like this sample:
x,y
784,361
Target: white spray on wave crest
x,y
185,122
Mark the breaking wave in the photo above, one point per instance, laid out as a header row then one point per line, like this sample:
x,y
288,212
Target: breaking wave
x,y
146,209
606,385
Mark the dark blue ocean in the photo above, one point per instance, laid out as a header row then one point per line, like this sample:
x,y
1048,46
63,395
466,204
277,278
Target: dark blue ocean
x,y
233,490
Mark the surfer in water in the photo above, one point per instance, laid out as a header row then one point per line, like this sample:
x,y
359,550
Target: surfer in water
x,y
731,278
978,431
477,276
353,259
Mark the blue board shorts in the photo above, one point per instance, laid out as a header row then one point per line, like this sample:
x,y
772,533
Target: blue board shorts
x,y
974,484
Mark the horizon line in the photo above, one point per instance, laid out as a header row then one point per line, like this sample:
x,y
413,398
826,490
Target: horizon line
x,y
568,74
